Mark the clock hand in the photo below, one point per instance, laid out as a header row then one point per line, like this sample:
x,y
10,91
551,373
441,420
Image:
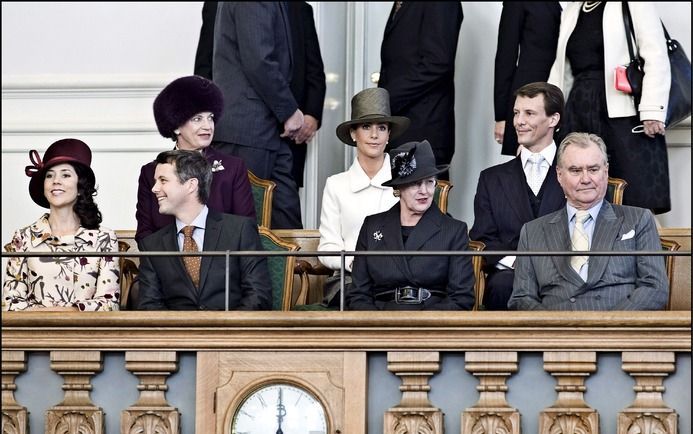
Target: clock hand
x,y
281,412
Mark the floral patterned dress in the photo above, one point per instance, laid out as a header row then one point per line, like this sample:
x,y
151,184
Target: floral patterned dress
x,y
89,283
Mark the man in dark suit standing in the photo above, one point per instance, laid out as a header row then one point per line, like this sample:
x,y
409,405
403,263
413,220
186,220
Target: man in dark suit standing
x,y
182,182
510,194
589,223
527,40
307,81
418,69
253,66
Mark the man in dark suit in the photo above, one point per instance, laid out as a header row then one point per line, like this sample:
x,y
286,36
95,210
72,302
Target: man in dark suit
x,y
418,69
252,65
307,81
589,223
527,40
510,194
183,179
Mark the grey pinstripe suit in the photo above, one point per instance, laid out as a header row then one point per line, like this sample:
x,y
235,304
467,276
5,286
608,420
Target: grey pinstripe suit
x,y
613,282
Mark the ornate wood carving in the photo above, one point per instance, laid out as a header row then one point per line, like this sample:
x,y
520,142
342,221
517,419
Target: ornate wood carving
x,y
14,416
491,414
414,414
570,414
76,414
648,414
151,414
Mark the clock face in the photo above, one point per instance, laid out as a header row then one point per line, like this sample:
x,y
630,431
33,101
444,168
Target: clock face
x,y
280,409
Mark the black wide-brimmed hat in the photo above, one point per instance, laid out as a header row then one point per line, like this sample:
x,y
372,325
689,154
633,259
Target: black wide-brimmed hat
x,y
71,151
411,162
372,105
182,99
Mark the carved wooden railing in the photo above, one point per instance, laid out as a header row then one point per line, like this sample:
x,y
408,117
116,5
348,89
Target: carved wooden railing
x,y
491,342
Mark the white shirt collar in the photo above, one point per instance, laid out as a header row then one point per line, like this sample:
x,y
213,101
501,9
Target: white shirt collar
x,y
549,153
199,222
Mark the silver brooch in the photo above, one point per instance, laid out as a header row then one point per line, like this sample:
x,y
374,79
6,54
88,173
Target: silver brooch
x,y
217,166
377,235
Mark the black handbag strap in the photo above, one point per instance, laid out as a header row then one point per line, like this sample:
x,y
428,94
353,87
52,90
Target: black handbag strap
x,y
628,25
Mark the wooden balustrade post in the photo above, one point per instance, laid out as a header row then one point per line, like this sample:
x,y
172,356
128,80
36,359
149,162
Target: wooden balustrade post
x,y
151,414
14,416
648,414
570,413
76,414
491,414
414,414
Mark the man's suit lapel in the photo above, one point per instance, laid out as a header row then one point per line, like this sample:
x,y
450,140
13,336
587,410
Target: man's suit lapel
x,y
211,243
554,197
169,241
393,19
606,228
515,189
557,238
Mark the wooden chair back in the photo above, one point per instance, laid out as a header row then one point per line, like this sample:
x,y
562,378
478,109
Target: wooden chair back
x,y
440,196
263,190
281,268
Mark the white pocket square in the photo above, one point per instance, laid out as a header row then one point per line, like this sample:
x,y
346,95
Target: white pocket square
x,y
628,235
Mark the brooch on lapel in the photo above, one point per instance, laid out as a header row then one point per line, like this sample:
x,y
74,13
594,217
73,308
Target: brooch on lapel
x,y
217,166
377,235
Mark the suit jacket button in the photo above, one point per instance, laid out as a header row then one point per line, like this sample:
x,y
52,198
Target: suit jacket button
x,y
599,297
202,307
572,299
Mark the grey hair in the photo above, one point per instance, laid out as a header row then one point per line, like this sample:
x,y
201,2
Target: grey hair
x,y
581,140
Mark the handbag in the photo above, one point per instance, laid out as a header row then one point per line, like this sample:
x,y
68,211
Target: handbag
x,y
679,107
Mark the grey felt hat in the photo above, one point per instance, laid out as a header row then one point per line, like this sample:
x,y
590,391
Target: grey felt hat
x,y
371,105
411,162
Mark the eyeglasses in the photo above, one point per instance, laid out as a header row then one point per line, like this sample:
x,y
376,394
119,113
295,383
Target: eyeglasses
x,y
427,184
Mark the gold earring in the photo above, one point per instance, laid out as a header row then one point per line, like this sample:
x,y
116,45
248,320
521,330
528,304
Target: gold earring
x,y
395,193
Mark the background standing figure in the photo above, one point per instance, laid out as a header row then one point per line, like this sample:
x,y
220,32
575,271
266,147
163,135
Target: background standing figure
x,y
418,69
186,111
63,182
307,81
527,38
415,223
586,58
252,65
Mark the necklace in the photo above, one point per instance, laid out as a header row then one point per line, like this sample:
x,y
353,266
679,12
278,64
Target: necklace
x,y
588,7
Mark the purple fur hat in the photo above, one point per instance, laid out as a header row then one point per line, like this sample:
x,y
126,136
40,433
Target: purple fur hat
x,y
182,99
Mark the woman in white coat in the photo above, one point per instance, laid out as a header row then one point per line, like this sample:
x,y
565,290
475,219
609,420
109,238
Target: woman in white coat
x,y
591,44
352,195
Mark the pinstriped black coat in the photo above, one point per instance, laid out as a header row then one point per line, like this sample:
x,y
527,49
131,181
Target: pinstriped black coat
x,y
435,231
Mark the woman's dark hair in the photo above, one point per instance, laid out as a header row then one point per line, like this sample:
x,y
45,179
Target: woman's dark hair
x,y
85,207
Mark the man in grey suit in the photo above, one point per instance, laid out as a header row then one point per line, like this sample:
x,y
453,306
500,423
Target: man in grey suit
x,y
182,182
588,222
252,64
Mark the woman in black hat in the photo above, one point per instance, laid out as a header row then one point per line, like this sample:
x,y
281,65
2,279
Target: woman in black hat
x,y
394,282
63,182
185,112
352,195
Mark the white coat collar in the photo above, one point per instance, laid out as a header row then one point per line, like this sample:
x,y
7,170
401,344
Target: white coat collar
x,y
358,180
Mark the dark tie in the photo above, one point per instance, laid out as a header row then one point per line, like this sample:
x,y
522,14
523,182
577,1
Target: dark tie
x,y
192,263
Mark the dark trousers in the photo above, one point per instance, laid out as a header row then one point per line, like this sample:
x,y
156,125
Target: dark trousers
x,y
276,166
499,288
